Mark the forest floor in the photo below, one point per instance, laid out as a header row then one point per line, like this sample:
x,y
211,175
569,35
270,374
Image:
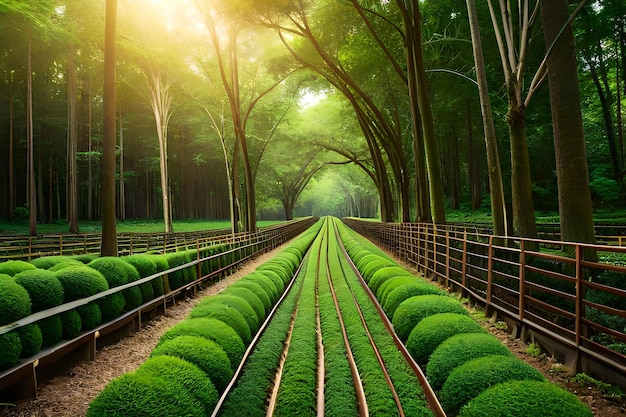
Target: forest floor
x,y
70,393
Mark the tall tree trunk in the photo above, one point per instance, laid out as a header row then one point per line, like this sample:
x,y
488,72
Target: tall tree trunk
x,y
89,156
72,184
496,187
109,234
32,195
11,201
575,208
122,199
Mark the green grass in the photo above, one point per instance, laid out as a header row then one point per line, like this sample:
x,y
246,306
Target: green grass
x,y
128,226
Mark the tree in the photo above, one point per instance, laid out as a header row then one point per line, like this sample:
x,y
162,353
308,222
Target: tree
x,y
108,246
575,209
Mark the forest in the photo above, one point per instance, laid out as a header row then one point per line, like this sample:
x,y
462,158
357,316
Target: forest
x,y
258,109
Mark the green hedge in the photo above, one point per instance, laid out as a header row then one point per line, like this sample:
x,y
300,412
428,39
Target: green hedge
x,y
272,290
80,282
404,291
207,305
412,310
72,323
11,348
111,306
51,330
44,288
15,267
204,353
228,315
370,269
117,272
473,377
383,274
15,301
459,349
90,316
47,262
145,267
251,297
31,339
188,376
259,290
210,329
65,264
112,269
144,396
433,330
526,399
276,279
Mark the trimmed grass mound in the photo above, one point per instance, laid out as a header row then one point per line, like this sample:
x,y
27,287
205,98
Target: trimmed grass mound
x,y
44,288
11,348
51,330
15,301
72,323
210,329
383,274
251,297
259,290
413,310
47,262
184,374
470,379
80,282
433,330
31,339
400,293
526,399
204,353
460,349
207,305
15,267
144,396
90,316
228,315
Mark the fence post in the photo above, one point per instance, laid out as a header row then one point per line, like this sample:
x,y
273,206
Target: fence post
x,y
464,269
489,277
579,295
522,281
61,244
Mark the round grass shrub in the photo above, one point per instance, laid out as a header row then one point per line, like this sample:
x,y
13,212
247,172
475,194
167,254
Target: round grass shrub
x,y
15,301
251,297
207,305
15,267
31,339
372,267
80,282
112,269
276,279
185,374
111,306
133,295
11,348
412,310
90,316
145,267
278,267
51,330
143,396
161,264
473,377
181,277
459,349
404,291
43,287
84,258
47,262
366,260
204,353
383,274
526,399
72,323
65,264
228,315
257,289
433,330
268,285
211,329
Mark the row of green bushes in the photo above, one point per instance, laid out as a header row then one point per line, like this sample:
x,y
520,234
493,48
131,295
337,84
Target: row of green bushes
x,y
212,341
472,371
353,303
47,282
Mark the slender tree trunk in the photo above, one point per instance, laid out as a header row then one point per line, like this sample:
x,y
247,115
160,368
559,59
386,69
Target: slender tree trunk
x,y
122,200
575,207
109,234
89,157
11,167
72,195
496,187
32,195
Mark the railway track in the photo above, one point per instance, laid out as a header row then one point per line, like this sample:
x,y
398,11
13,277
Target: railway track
x,y
338,356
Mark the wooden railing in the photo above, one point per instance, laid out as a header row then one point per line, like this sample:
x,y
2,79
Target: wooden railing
x,y
547,290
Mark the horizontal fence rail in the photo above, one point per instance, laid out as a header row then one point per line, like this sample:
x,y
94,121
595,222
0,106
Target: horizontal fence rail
x,y
20,382
569,297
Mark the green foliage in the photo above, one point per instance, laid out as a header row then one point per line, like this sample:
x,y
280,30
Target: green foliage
x,y
44,288
72,324
616,280
391,284
188,376
534,350
268,285
429,333
11,348
51,330
47,262
65,264
144,396
111,306
207,305
162,265
402,292
228,315
473,377
606,389
90,316
371,268
251,298
277,268
80,282
259,290
112,269
85,258
15,302
14,267
459,349
526,399
210,329
604,186
276,279
383,274
31,339
145,267
204,353
412,310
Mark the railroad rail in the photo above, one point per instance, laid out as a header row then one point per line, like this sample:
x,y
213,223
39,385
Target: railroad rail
x,y
20,382
552,292
329,278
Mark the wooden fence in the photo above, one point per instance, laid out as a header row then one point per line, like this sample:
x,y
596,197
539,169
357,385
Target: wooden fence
x,y
548,291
